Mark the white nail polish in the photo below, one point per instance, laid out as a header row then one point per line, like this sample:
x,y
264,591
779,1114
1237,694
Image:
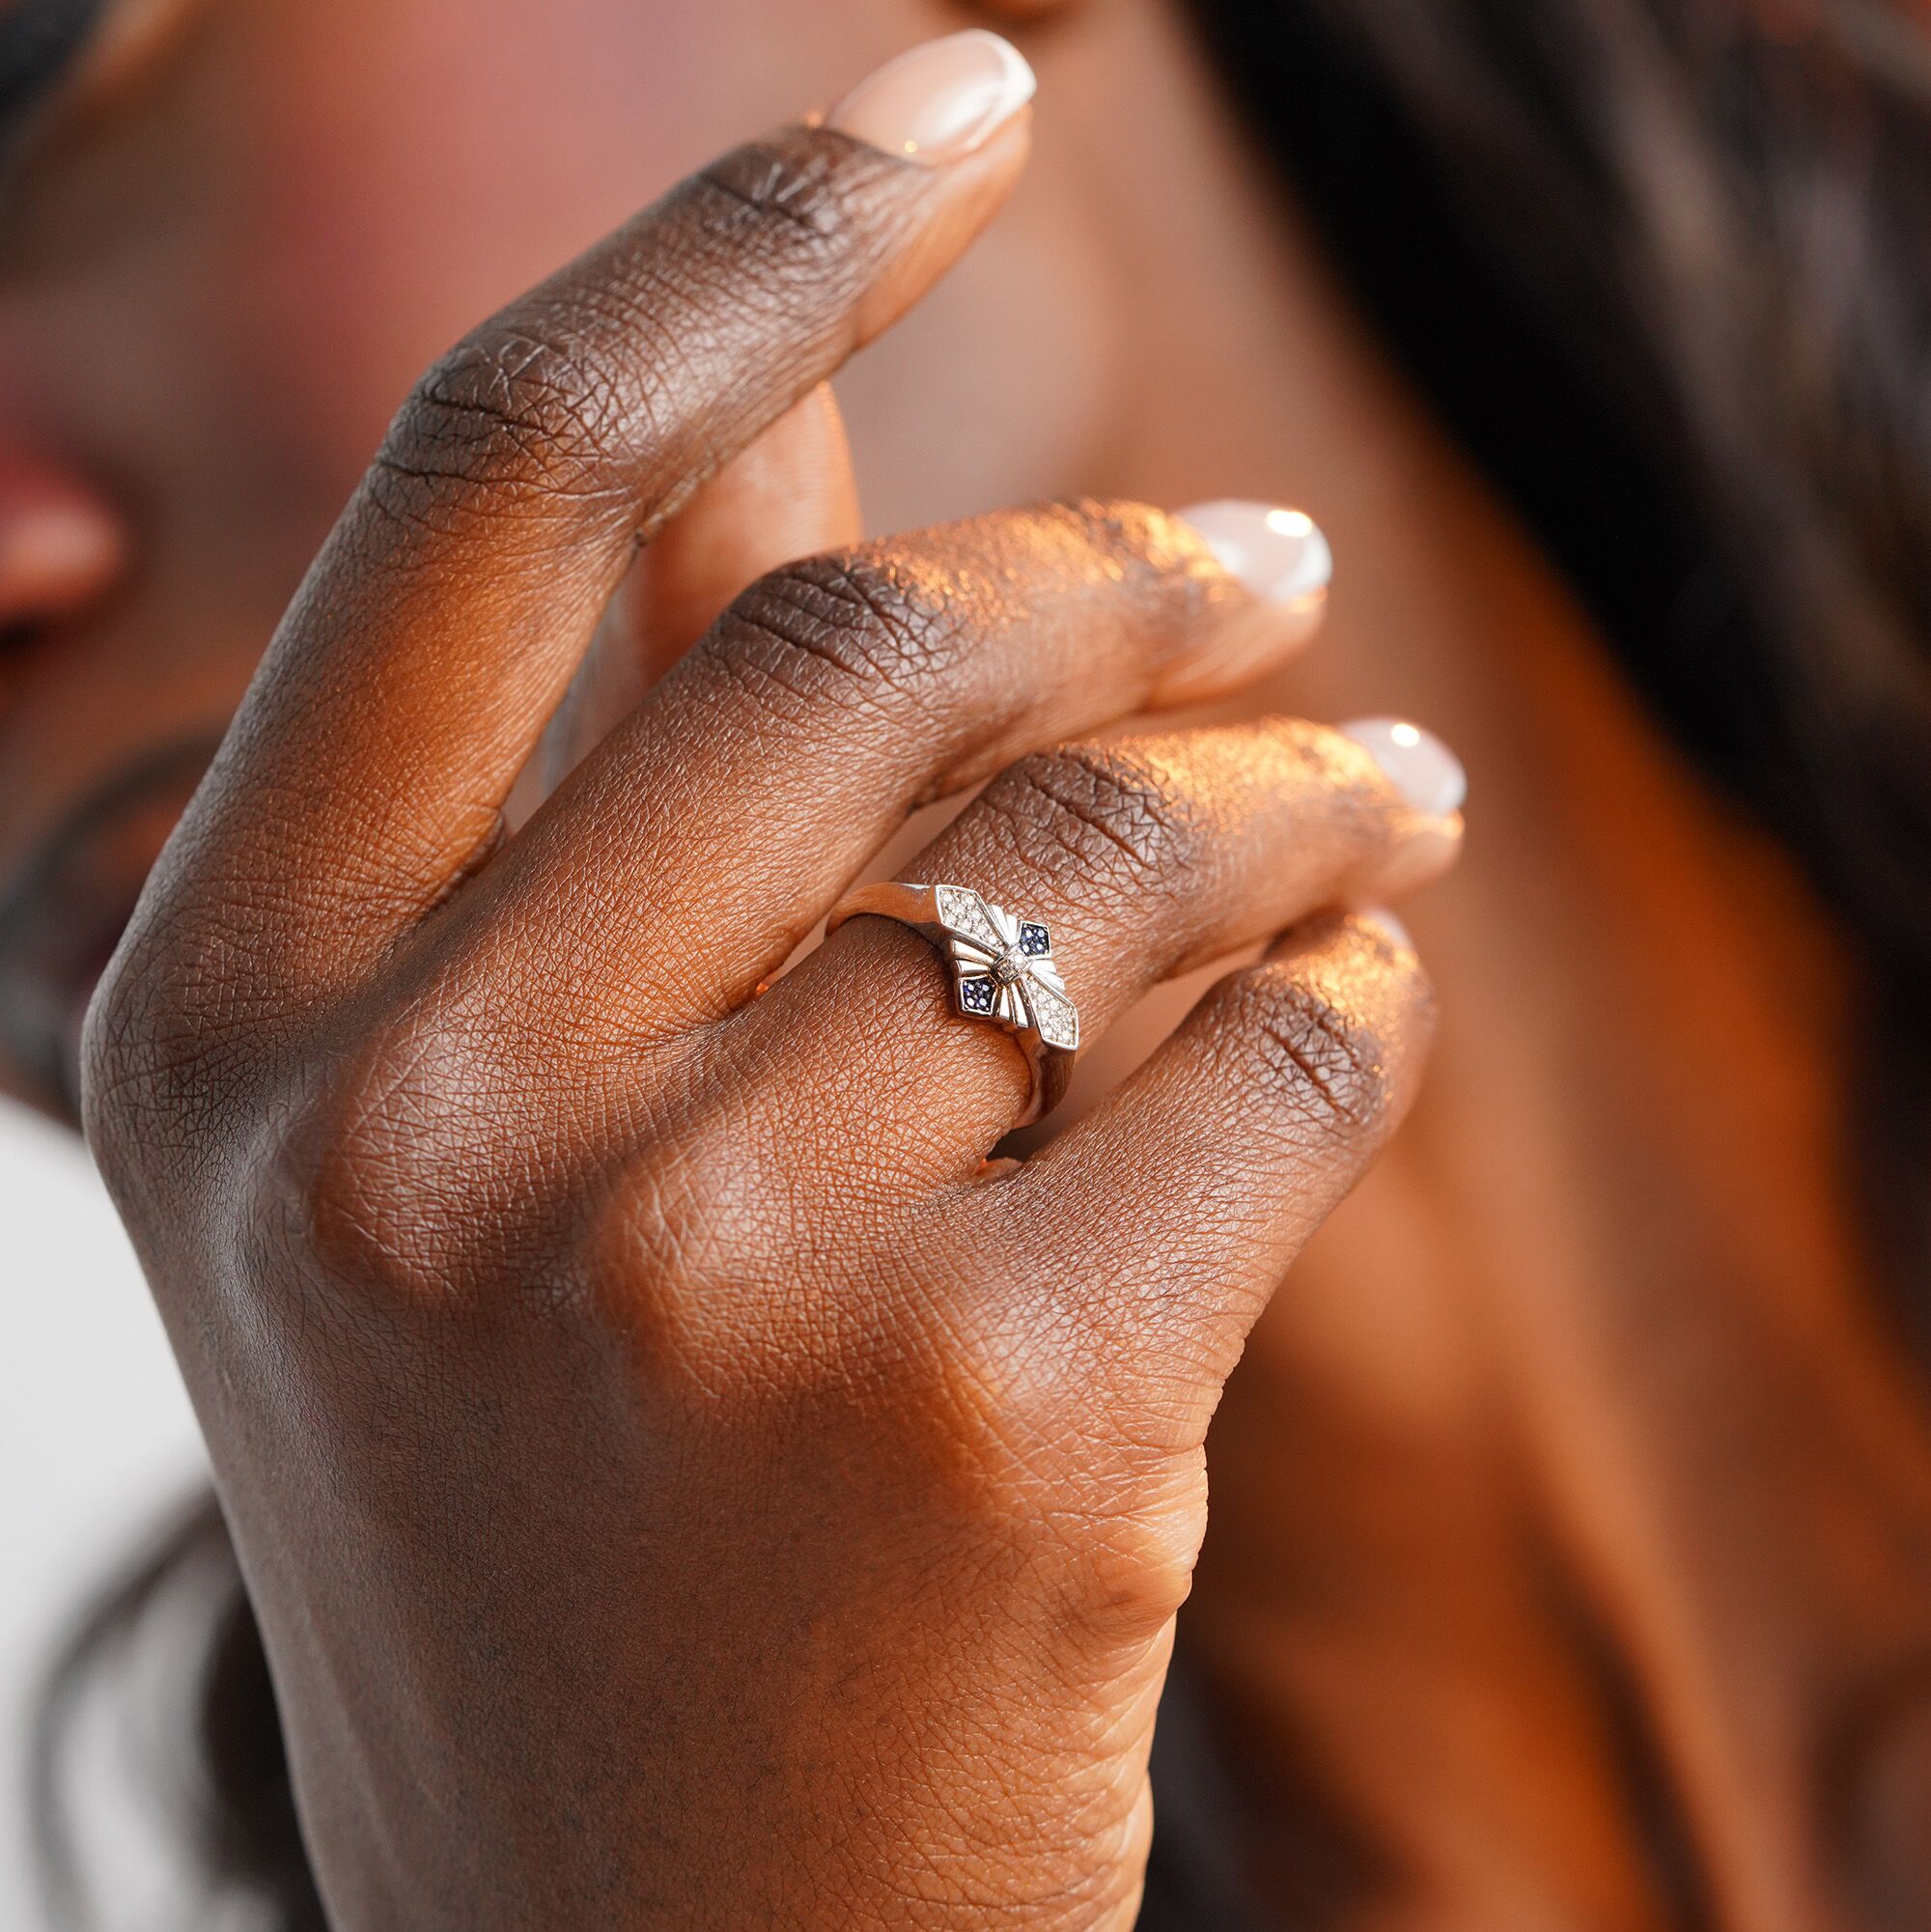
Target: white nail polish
x,y
1279,554
940,101
1419,766
1380,915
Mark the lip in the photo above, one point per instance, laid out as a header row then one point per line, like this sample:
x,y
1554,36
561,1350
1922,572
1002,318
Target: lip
x,y
64,912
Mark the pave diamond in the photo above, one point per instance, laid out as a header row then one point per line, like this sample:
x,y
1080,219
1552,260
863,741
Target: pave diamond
x,y
966,916
1003,967
1054,1016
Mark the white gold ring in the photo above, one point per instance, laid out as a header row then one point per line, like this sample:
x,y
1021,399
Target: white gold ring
x,y
1003,970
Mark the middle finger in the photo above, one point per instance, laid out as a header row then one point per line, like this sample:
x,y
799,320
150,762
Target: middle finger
x,y
693,850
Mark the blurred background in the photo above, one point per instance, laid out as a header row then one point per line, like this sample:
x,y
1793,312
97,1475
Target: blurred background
x,y
96,1438
1595,1525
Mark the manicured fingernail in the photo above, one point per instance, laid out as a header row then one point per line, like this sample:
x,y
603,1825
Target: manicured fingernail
x,y
1419,766
938,102
1380,915
1279,554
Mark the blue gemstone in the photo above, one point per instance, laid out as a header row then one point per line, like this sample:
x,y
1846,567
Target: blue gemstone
x,y
1034,940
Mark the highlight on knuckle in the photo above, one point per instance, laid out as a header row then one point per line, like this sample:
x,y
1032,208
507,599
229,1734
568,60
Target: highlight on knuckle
x,y
1141,1557
1088,813
1322,1070
848,631
514,410
1141,552
1113,524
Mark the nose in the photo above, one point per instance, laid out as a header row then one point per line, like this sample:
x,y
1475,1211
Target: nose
x,y
62,544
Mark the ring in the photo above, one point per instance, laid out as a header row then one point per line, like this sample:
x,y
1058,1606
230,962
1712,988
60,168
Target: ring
x,y
1003,970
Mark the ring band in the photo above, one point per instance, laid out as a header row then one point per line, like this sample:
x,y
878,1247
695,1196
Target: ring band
x,y
1003,970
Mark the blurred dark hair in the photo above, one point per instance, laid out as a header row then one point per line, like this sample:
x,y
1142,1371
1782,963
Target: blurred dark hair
x,y
1663,266
209,1758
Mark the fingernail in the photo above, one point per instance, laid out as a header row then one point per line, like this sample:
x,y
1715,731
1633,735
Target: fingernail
x,y
1380,915
1279,554
940,101
1419,764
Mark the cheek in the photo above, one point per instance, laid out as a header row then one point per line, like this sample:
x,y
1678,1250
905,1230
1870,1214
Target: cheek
x,y
999,386
434,157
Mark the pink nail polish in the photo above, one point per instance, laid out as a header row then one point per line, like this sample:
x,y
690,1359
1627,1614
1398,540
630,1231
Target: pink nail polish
x,y
940,101
1380,915
1277,553
1419,764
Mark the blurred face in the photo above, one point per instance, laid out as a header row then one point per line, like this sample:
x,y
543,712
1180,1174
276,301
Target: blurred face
x,y
236,230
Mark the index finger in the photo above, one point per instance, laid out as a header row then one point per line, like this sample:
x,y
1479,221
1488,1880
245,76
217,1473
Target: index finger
x,y
441,622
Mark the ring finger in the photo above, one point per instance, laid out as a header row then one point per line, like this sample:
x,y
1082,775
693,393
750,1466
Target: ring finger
x,y
1143,858
709,833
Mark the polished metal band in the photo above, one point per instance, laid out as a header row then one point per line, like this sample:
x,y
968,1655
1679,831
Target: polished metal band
x,y
1003,970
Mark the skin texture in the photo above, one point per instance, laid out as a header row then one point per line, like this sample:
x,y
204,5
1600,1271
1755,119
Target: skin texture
x,y
1577,1426
769,1350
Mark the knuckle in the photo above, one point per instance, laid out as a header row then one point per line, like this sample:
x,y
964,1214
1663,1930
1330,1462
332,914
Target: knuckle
x,y
1322,1068
1083,814
1115,1520
804,216
714,1271
1113,524
1141,549
849,631
169,1045
389,1171
563,397
797,189
689,1221
343,1189
135,1034
1140,1560
513,411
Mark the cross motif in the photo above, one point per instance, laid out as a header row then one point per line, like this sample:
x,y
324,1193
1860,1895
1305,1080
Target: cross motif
x,y
1003,969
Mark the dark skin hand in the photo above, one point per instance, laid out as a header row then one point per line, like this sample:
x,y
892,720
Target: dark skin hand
x,y
1571,1508
663,1452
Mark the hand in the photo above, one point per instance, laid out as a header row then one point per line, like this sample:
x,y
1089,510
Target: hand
x,y
680,1482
